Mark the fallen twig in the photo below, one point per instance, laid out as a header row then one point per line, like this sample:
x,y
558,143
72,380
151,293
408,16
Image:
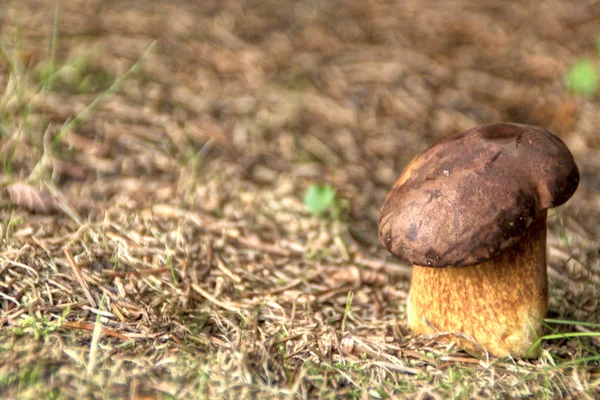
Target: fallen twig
x,y
90,328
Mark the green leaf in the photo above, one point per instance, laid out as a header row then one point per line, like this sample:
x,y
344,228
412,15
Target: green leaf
x,y
319,198
582,78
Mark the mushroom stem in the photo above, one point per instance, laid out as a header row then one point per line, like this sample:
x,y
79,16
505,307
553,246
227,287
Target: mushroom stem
x,y
500,303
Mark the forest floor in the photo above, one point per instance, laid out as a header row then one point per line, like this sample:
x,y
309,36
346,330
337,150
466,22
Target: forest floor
x,y
155,155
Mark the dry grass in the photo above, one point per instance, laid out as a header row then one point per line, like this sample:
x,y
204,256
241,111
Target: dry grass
x,y
177,259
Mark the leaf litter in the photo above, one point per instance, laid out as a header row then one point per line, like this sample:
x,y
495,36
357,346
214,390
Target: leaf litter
x,y
31,198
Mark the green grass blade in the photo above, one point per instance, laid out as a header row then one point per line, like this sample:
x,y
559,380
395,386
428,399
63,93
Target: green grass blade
x,y
111,90
566,322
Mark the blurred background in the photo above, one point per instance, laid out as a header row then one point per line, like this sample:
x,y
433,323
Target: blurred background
x,y
343,92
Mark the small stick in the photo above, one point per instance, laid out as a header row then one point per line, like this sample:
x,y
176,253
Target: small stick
x,y
133,393
90,328
79,276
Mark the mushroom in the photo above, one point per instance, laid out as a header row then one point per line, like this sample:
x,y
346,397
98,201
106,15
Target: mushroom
x,y
470,214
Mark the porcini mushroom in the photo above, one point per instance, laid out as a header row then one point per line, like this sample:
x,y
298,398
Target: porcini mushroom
x,y
470,214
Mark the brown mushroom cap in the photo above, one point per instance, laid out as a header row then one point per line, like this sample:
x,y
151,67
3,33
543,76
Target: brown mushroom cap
x,y
473,195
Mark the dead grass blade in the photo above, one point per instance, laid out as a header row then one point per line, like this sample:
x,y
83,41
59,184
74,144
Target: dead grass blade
x,y
79,276
214,300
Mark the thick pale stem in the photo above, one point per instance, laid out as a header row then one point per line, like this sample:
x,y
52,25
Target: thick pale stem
x,y
501,303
